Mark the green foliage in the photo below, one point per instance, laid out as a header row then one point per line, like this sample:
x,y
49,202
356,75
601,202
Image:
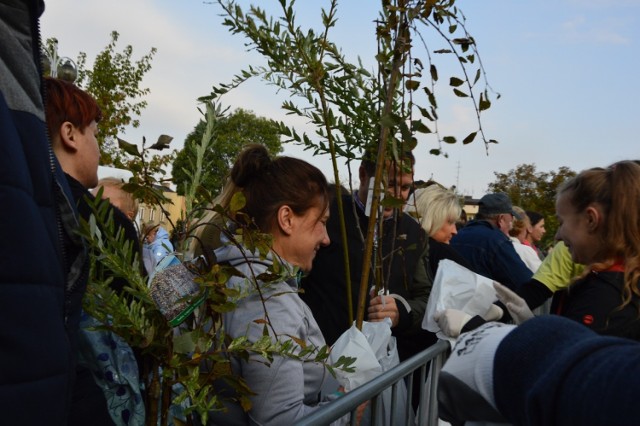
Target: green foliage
x,y
534,190
342,99
148,169
355,111
198,353
232,133
114,81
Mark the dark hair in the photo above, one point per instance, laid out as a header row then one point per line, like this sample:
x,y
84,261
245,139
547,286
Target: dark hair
x,y
268,184
369,161
534,217
66,102
616,190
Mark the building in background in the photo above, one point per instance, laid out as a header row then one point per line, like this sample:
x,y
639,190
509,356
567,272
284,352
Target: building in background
x,y
470,207
175,210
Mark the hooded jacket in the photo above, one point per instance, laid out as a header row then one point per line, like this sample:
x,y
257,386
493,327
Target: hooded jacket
x,y
566,374
154,252
288,389
42,261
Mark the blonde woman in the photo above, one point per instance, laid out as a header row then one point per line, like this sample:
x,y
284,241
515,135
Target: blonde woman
x,y
438,209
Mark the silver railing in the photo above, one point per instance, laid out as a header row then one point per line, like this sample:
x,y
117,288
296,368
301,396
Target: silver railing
x,y
372,391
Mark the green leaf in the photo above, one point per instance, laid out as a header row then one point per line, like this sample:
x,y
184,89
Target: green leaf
x,y
390,201
238,201
463,41
449,139
412,85
419,126
162,142
460,93
184,343
484,103
469,138
129,148
390,120
455,82
425,113
434,72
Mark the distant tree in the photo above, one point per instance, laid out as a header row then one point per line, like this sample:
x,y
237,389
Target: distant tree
x,y
231,134
114,81
534,190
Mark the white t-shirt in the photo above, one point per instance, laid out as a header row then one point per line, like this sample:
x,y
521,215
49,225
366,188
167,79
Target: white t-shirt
x,y
527,254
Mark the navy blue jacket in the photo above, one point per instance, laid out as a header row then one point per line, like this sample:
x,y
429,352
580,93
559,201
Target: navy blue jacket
x,y
491,254
42,263
554,371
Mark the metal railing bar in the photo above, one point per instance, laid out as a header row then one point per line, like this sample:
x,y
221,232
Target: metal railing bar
x,y
349,402
434,369
422,407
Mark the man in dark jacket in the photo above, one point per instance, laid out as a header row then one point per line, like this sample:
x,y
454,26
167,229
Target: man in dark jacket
x,y
486,246
72,121
41,259
403,250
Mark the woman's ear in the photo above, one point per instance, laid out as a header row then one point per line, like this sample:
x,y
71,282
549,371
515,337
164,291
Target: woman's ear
x,y
285,219
594,217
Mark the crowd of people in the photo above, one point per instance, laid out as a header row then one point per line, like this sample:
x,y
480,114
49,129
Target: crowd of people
x,y
50,182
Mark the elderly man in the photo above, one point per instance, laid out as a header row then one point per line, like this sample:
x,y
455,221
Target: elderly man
x,y
485,243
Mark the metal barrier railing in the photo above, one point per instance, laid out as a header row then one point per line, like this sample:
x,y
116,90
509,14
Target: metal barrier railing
x,y
372,391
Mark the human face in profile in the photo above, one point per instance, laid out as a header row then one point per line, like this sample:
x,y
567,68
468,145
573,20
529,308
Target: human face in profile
x,y
446,231
505,223
578,230
88,154
537,231
307,235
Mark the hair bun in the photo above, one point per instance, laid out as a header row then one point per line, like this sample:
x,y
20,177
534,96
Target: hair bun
x,y
253,162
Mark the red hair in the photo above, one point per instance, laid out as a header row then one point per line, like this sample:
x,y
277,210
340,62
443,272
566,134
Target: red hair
x,y
65,101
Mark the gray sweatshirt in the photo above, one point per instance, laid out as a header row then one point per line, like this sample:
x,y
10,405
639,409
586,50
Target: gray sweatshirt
x,y
288,389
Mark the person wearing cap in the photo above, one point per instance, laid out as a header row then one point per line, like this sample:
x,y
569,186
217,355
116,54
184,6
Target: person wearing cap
x,y
486,245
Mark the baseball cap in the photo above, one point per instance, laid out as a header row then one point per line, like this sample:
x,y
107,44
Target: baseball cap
x,y
496,203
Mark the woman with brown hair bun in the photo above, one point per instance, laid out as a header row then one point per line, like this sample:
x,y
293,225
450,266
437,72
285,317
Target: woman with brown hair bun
x,y
288,199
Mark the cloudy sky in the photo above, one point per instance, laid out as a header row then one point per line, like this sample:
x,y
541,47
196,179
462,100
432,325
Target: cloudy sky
x,y
567,71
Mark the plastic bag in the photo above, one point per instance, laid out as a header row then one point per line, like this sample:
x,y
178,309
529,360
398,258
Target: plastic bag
x,y
174,291
375,351
456,287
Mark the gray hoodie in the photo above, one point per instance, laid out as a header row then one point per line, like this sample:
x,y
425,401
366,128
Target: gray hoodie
x,y
288,389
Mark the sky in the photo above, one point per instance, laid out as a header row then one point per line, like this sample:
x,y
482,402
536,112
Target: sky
x,y
566,70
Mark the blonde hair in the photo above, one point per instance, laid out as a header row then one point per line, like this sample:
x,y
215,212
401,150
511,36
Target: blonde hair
x,y
436,205
207,229
519,225
124,200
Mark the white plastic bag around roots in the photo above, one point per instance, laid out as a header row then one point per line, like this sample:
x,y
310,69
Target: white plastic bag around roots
x,y
375,351
456,287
